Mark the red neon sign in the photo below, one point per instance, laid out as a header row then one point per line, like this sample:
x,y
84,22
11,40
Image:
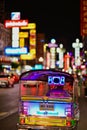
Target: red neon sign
x,y
15,23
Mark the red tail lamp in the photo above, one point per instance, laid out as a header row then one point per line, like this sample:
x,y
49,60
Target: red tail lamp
x,y
68,123
22,120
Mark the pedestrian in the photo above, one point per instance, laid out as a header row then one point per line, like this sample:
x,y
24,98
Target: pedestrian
x,y
75,91
80,85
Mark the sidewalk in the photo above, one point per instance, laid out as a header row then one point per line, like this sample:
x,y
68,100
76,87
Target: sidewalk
x,y
83,113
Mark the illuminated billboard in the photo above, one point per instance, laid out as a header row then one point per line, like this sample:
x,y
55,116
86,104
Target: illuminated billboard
x,y
15,23
83,17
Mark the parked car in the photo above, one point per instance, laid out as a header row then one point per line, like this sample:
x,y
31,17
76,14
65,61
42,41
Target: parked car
x,y
15,77
6,81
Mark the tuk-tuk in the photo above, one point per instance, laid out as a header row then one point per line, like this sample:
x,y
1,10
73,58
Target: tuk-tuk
x,y
47,101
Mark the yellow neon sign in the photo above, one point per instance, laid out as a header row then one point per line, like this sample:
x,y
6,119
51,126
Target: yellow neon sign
x,y
23,34
32,40
30,26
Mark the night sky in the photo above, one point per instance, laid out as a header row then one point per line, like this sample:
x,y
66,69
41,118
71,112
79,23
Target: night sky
x,y
59,19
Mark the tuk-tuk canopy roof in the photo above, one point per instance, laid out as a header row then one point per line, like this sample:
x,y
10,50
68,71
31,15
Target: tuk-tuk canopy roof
x,y
42,75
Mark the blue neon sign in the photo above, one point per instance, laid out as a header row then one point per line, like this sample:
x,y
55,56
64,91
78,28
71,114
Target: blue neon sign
x,y
58,80
16,51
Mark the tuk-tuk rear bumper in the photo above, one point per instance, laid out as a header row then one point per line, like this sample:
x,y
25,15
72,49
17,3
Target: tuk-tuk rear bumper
x,y
34,127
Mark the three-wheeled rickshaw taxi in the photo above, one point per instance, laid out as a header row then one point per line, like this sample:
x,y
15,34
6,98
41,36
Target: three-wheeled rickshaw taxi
x,y
47,101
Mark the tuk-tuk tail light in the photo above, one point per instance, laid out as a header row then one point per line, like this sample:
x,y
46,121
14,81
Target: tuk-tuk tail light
x,y
22,120
68,123
71,123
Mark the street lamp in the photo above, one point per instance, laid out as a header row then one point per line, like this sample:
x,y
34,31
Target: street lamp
x,y
77,45
61,51
52,47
